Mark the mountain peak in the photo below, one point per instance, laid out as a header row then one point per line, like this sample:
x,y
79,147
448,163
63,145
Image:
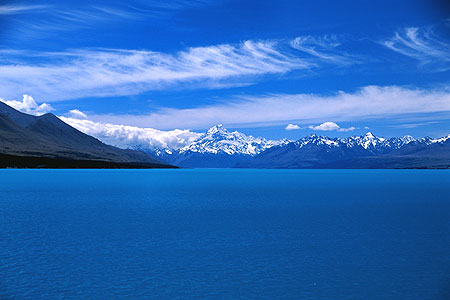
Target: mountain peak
x,y
218,140
217,128
369,135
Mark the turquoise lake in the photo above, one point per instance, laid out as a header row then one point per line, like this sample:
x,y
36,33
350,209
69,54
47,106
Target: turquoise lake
x,y
224,234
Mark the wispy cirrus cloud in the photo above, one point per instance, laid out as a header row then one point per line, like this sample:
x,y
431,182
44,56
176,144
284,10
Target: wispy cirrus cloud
x,y
414,125
422,45
93,15
61,17
158,8
109,72
324,48
252,111
14,9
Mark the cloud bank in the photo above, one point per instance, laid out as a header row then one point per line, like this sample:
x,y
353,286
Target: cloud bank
x,y
29,106
123,136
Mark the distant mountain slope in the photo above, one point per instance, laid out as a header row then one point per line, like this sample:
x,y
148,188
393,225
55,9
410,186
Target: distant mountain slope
x,y
217,148
366,151
220,148
47,136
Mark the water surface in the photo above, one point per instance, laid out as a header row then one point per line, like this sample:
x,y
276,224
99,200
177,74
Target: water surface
x,y
224,234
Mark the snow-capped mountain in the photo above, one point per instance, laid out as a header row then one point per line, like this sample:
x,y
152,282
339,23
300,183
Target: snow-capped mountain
x,y
218,140
217,147
427,140
367,151
368,142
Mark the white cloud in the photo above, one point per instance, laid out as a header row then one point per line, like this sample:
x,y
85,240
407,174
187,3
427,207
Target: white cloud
x,y
99,73
292,127
29,106
324,48
326,126
60,17
17,9
76,114
329,126
133,137
369,101
414,125
423,46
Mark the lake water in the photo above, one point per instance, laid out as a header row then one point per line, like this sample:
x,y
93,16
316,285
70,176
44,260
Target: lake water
x,y
224,234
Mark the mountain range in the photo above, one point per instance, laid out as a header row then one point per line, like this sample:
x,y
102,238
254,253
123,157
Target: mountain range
x,y
220,148
366,151
46,141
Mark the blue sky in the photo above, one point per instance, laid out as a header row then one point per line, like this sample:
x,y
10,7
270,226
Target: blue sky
x,y
255,66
